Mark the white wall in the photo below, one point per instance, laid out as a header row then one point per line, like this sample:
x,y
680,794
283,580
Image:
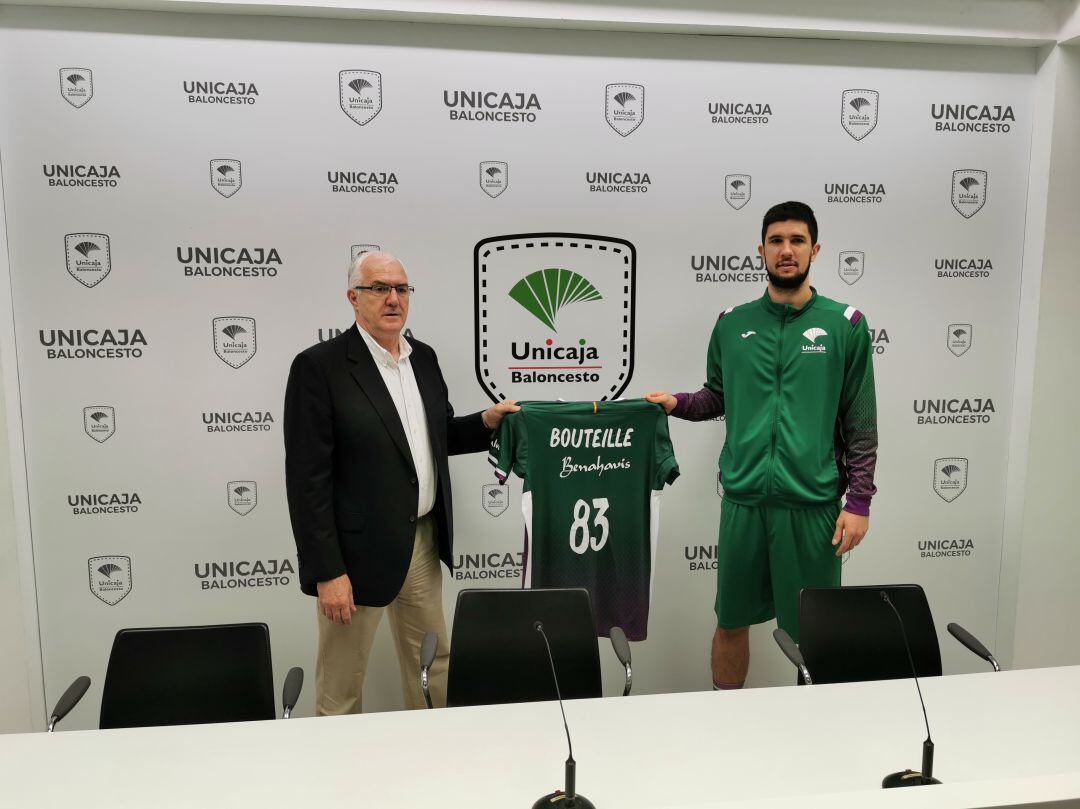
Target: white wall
x,y
1047,610
18,702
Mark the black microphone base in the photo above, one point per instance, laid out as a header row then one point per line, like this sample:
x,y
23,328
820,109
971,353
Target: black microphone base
x,y
907,778
558,800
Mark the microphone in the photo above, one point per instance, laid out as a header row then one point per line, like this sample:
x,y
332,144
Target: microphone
x,y
910,778
568,799
68,701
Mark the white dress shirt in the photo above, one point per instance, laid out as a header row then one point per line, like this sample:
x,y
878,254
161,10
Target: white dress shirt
x,y
401,383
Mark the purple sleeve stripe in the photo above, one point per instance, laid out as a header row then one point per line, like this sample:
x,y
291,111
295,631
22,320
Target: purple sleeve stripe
x,y
699,406
856,317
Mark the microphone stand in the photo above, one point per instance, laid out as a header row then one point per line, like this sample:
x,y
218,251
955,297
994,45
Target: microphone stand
x,y
568,799
910,778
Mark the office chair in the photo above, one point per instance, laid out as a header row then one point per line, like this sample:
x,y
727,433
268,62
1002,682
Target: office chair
x,y
192,674
497,655
848,634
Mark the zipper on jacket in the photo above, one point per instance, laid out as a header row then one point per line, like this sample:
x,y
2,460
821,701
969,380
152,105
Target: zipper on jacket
x,y
776,406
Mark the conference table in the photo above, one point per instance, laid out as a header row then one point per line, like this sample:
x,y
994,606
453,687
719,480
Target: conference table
x,y
1010,738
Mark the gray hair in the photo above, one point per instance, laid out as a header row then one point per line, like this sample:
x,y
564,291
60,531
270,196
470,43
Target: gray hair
x,y
356,266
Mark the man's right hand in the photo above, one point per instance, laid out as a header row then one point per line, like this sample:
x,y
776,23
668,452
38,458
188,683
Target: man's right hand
x,y
336,599
665,400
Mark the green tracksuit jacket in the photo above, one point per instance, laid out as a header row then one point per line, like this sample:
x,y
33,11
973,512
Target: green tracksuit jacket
x,y
797,389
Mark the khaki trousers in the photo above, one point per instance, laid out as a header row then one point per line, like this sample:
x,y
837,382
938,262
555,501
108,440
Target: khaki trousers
x,y
342,658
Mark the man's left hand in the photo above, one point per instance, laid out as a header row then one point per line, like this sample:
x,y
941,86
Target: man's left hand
x,y
494,414
850,530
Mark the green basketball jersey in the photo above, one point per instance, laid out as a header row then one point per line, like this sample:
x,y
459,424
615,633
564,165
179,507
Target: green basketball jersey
x,y
593,474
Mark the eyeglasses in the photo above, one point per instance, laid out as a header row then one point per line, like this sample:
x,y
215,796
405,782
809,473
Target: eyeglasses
x,y
382,290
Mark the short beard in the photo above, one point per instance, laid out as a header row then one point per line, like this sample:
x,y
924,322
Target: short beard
x,y
789,282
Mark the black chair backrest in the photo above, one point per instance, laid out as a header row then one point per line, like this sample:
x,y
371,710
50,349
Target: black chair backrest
x,y
187,675
848,634
497,656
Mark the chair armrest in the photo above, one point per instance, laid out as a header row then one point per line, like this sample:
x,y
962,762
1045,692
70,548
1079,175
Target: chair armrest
x,y
622,651
792,653
428,647
69,700
290,692
973,644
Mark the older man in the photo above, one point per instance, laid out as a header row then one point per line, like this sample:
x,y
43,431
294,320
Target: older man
x,y
368,429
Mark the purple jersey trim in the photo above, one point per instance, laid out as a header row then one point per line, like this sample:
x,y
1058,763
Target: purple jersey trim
x,y
855,318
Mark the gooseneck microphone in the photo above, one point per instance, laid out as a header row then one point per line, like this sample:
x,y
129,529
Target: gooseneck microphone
x,y
910,778
568,799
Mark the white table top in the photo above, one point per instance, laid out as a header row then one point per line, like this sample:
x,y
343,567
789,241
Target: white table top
x,y
1001,739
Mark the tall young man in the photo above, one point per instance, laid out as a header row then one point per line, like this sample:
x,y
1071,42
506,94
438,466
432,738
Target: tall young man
x,y
792,374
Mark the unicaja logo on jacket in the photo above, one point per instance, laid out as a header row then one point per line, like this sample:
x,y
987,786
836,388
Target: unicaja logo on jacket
x,y
812,336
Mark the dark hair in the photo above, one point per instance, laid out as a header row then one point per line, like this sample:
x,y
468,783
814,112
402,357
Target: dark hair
x,y
785,211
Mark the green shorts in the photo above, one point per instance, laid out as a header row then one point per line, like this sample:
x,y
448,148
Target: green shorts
x,y
766,555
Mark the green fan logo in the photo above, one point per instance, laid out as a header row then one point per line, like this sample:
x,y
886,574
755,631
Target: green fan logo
x,y
544,293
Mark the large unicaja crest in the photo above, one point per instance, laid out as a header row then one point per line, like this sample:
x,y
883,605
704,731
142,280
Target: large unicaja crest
x,y
859,112
88,257
225,176
494,177
361,94
99,422
554,315
110,578
234,339
969,191
737,190
76,85
624,107
851,265
950,477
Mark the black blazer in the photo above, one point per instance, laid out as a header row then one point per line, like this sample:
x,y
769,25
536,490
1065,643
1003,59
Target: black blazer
x,y
349,474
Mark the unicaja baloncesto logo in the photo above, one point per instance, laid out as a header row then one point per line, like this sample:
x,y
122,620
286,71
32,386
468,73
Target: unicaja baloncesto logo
x,y
110,578
361,93
950,477
737,190
99,422
495,498
493,106
359,249
733,268
969,191
624,107
220,92
958,338
851,266
859,112
234,339
494,177
76,85
225,177
242,496
554,315
89,258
